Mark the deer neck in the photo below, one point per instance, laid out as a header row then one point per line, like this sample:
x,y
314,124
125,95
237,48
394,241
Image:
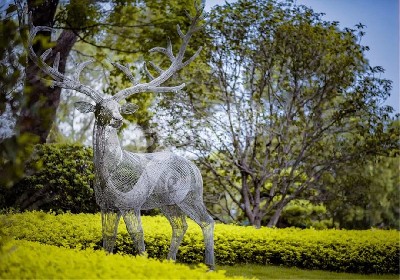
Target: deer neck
x,y
107,150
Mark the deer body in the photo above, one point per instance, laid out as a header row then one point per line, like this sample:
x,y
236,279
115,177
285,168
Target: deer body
x,y
157,180
154,180
127,182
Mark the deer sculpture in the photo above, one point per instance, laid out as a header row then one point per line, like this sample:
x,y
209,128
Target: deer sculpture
x,y
125,182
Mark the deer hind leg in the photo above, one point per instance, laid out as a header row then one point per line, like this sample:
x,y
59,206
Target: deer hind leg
x,y
110,220
134,226
178,223
197,211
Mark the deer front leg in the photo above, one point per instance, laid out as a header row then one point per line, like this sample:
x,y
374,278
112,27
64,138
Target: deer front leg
x,y
134,226
110,220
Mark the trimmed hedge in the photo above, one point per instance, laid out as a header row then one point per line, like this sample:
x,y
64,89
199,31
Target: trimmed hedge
x,y
370,251
32,260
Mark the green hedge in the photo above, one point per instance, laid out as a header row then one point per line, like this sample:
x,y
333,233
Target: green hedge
x,y
371,251
60,180
31,260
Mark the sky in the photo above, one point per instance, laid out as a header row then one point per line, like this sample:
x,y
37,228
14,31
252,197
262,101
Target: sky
x,y
381,18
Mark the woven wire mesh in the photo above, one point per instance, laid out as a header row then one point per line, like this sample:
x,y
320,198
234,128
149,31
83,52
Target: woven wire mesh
x,y
127,182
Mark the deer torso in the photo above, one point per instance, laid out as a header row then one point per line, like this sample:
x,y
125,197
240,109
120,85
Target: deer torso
x,y
127,180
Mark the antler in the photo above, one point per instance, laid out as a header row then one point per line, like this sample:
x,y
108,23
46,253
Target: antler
x,y
59,79
177,63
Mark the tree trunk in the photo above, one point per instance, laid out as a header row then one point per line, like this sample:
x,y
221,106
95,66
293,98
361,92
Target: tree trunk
x,y
251,204
40,102
275,218
247,205
257,220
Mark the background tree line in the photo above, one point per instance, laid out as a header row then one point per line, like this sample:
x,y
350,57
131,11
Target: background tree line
x,y
282,110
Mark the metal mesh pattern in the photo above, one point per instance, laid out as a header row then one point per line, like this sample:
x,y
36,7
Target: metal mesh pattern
x,y
127,180
126,183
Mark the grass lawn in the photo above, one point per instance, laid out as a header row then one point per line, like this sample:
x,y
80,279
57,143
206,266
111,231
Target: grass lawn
x,y
279,272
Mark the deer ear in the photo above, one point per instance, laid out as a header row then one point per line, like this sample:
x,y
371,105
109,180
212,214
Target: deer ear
x,y
129,108
84,107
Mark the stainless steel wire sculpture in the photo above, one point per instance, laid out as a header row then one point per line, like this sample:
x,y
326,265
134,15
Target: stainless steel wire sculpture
x,y
127,182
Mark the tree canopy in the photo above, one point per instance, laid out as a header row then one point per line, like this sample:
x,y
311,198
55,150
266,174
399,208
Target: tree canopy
x,y
122,31
294,99
281,110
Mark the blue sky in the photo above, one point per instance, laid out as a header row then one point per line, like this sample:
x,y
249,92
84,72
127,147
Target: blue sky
x,y
382,31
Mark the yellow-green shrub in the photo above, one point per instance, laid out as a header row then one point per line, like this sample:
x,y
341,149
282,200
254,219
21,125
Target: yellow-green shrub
x,y
32,260
371,251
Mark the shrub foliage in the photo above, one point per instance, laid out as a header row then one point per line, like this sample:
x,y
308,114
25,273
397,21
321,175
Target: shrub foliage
x,y
61,180
371,251
31,260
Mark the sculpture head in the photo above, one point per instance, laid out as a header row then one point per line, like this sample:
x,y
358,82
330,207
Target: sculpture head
x,y
107,111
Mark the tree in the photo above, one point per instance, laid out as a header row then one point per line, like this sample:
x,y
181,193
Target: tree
x,y
156,23
365,194
40,101
36,102
129,30
79,23
361,197
11,68
289,89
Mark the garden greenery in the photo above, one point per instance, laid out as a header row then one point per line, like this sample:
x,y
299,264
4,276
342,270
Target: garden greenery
x,y
32,260
60,179
371,251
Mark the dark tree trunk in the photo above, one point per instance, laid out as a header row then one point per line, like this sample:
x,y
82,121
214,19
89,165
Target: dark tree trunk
x,y
275,218
257,220
40,101
251,202
247,206
273,221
